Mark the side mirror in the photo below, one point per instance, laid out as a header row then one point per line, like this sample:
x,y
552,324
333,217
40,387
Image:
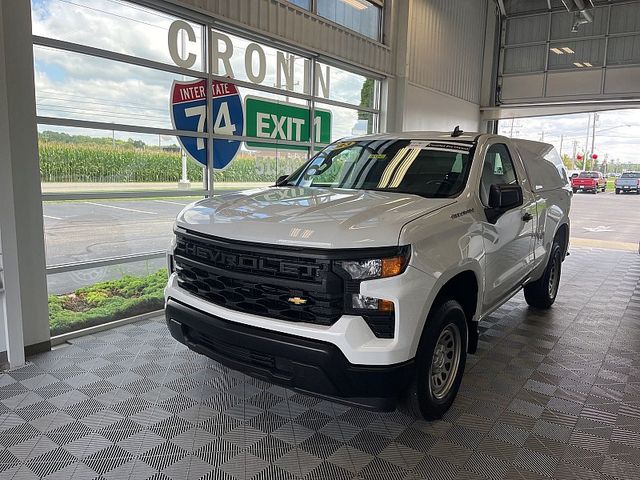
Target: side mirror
x,y
505,197
281,179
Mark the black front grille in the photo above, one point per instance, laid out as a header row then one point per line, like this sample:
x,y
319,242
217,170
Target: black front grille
x,y
259,280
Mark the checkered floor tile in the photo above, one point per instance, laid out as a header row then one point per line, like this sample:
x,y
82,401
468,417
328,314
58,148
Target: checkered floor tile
x,y
548,395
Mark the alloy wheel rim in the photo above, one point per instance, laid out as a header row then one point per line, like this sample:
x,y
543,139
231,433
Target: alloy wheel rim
x,y
445,361
553,278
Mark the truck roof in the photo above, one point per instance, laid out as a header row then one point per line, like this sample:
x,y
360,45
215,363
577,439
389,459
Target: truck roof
x,y
465,136
417,135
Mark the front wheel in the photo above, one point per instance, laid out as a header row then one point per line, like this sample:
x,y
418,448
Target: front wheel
x,y
617,191
575,190
542,293
439,363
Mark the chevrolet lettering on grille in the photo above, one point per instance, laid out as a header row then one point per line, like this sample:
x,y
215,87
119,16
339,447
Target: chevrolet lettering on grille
x,y
220,258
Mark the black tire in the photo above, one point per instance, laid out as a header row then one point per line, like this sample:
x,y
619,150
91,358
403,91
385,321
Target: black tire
x,y
595,191
542,293
617,191
575,190
430,395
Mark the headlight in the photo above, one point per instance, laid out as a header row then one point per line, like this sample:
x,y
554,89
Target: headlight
x,y
362,302
374,268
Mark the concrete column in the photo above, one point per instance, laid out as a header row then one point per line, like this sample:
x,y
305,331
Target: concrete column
x,y
395,89
490,63
21,224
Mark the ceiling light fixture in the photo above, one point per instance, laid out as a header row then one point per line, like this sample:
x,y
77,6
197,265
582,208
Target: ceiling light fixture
x,y
358,5
578,64
557,51
567,50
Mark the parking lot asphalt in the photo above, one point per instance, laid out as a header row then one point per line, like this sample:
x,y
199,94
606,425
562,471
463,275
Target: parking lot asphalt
x,y
93,229
606,220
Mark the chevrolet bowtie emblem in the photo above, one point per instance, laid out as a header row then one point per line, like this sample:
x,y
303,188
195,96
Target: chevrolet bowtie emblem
x,y
298,300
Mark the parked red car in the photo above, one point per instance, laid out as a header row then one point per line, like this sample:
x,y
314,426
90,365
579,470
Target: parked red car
x,y
589,181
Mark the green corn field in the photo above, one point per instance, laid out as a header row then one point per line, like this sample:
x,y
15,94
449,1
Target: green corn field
x,y
87,162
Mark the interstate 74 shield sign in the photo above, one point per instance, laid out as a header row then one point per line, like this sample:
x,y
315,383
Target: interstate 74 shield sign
x,y
189,112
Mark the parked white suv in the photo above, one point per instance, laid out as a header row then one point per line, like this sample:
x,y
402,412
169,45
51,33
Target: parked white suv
x,y
362,276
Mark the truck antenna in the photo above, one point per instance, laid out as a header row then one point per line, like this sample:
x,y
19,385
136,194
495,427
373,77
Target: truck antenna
x,y
456,131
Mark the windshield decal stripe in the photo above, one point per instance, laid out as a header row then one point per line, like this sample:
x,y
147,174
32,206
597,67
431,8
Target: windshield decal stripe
x,y
402,170
389,169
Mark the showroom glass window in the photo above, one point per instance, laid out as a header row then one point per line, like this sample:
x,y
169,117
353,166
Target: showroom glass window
x,y
359,15
121,154
362,16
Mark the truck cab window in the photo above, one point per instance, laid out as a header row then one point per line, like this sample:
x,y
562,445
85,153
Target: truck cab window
x,y
497,169
427,168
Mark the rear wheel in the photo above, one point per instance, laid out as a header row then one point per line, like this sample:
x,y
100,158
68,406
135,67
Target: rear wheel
x,y
542,293
575,190
439,363
617,191
595,191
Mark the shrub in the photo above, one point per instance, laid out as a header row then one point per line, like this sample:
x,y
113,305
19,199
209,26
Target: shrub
x,y
106,301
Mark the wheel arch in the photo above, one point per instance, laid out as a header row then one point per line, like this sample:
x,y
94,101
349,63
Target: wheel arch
x,y
562,234
465,287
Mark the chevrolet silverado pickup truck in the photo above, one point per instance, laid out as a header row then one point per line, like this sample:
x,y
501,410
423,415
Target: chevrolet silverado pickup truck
x,y
593,182
628,182
362,276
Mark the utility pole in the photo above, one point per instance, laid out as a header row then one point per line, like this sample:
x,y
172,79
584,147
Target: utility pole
x,y
561,140
573,157
593,137
512,121
586,143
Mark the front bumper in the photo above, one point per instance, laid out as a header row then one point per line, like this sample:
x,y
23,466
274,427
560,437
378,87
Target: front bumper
x,y
303,364
350,334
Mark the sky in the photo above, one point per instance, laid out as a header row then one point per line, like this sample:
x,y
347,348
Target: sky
x,y
77,86
617,133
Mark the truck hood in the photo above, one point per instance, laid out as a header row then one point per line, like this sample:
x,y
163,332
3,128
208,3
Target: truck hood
x,y
309,217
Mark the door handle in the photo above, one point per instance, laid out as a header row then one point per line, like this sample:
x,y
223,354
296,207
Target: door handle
x,y
527,217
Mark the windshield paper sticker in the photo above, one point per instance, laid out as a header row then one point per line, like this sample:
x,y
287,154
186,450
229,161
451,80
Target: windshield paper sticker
x,y
441,146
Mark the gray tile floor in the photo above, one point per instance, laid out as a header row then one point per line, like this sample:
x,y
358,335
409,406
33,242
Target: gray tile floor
x,y
548,395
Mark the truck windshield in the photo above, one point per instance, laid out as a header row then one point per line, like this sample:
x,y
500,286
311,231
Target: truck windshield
x,y
588,175
631,175
431,169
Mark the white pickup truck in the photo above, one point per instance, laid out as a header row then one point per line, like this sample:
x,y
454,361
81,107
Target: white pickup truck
x,y
362,276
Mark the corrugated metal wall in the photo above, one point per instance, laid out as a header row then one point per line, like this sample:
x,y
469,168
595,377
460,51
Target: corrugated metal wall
x,y
600,60
290,24
446,46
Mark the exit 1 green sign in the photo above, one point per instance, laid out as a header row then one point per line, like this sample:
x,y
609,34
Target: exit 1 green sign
x,y
283,121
